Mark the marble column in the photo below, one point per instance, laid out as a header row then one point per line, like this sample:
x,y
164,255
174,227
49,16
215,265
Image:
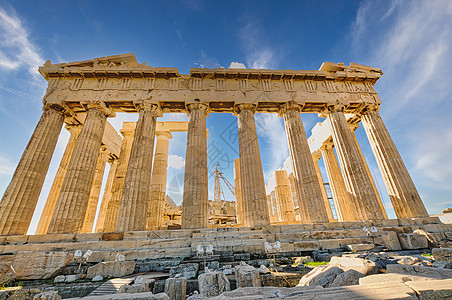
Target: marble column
x,y
377,194
114,202
254,199
113,161
294,189
404,196
21,195
158,181
73,199
310,198
284,196
95,191
329,212
274,210
357,181
238,192
135,197
49,207
195,205
344,207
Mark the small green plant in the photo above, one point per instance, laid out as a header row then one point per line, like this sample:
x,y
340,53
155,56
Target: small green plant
x,y
427,255
316,263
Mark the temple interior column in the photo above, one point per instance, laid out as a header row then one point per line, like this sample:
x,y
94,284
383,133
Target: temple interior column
x,y
329,212
158,181
274,209
113,204
113,161
284,196
49,207
344,206
357,181
95,191
73,199
403,193
195,205
377,194
135,197
238,191
310,198
19,201
254,199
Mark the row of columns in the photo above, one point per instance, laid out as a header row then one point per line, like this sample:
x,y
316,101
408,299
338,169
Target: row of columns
x,y
125,205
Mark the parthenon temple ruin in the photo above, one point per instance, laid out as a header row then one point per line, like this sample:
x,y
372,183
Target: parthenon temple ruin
x,y
121,232
83,95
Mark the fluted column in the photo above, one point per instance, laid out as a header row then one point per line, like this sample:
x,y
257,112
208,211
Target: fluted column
x,y
72,202
107,194
135,197
344,207
195,205
284,196
293,189
255,210
403,193
310,198
158,181
238,192
49,207
21,195
95,191
329,212
377,194
356,179
274,209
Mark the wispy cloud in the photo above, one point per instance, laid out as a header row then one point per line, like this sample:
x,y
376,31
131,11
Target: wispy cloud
x,y
271,129
412,43
6,166
16,49
258,54
206,61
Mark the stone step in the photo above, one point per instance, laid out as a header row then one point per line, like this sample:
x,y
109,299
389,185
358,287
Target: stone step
x,y
111,286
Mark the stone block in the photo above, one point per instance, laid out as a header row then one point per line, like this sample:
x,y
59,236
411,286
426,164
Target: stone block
x,y
242,256
306,246
51,238
411,241
442,254
212,284
88,237
434,289
112,236
442,264
176,288
420,271
136,235
246,276
360,247
59,279
6,273
427,220
329,244
391,240
350,277
40,265
187,270
406,222
434,228
432,241
72,278
50,295
16,239
111,269
321,276
389,223
391,277
361,265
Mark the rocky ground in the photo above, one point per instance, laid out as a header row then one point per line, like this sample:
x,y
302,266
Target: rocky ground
x,y
363,271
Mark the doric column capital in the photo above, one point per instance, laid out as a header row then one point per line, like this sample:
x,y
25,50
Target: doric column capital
x,y
149,106
128,128
316,155
54,107
247,106
332,108
368,108
73,128
289,106
100,106
197,106
163,135
327,146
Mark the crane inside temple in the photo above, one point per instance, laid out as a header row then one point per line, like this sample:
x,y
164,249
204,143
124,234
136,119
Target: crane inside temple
x,y
222,211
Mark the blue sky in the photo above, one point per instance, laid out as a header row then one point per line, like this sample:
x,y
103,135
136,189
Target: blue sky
x,y
411,41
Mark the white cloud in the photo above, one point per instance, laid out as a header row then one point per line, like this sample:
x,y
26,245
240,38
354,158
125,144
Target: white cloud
x,y
16,49
275,138
206,61
176,162
237,65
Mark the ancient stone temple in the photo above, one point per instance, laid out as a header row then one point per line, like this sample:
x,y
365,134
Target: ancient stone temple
x,y
84,95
